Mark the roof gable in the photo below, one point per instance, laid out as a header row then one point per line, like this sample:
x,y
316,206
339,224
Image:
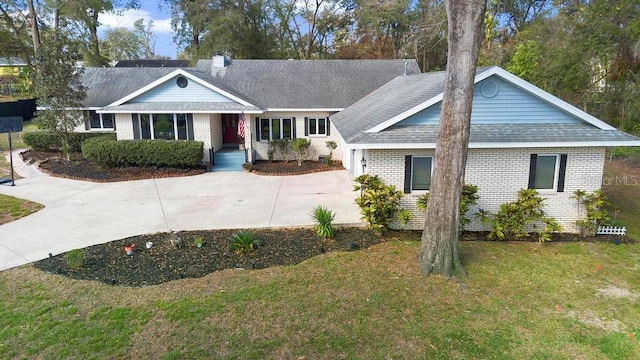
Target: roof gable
x,y
484,73
161,90
180,89
496,101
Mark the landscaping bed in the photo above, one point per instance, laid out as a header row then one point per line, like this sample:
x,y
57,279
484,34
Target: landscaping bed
x,y
79,168
164,262
263,167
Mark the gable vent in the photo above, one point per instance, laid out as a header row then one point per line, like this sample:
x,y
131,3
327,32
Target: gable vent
x,y
489,89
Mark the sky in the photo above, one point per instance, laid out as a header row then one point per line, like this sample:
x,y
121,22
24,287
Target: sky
x,y
149,10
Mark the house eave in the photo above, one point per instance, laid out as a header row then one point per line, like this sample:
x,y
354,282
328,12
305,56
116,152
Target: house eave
x,y
172,75
180,111
304,109
499,145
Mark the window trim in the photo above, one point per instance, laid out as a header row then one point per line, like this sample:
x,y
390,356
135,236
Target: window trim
x,y
281,122
313,131
188,129
408,175
89,117
558,172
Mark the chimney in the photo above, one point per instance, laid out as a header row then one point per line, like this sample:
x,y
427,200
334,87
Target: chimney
x,y
219,61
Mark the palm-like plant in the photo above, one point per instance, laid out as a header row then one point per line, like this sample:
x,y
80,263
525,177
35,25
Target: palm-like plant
x,y
324,219
244,242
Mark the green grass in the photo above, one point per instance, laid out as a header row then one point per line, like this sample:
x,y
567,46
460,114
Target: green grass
x,y
621,185
370,304
12,208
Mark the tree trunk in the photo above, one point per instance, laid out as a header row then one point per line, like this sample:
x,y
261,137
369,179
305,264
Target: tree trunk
x,y
35,31
439,247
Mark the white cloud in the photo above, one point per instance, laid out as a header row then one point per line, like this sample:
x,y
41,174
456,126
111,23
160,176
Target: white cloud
x,y
126,18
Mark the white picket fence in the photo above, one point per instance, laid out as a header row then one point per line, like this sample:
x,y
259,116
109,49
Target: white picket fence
x,y
611,230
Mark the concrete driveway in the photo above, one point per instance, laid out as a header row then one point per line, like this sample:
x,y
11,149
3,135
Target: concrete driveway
x,y
79,213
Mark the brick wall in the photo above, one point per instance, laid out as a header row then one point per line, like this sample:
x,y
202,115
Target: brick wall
x,y
318,143
499,174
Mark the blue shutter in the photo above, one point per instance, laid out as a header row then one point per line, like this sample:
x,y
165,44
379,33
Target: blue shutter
x,y
306,126
136,126
407,173
532,171
190,135
562,171
328,127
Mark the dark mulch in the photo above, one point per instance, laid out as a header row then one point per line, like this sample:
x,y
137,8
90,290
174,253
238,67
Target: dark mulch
x,y
163,262
262,167
79,168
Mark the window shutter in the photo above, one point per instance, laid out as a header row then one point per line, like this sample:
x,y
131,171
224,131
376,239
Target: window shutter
x,y
136,126
257,129
86,124
328,127
190,135
306,126
294,131
561,172
114,122
407,173
532,171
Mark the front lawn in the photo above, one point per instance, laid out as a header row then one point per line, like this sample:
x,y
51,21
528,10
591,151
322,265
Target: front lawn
x,y
522,301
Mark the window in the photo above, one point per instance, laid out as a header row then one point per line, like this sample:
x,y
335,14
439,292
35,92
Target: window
x,y
163,126
418,171
271,129
99,121
317,126
547,172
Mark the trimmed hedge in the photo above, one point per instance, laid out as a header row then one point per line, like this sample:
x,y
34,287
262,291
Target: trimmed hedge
x,y
169,153
48,140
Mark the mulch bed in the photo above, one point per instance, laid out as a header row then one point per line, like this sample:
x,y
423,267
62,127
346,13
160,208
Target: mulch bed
x,y
163,262
78,168
279,168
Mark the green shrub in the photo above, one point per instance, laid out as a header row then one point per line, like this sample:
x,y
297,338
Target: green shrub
x,y
170,153
300,148
48,140
282,146
198,241
596,207
75,258
513,218
244,241
379,203
331,145
271,150
468,198
324,222
41,140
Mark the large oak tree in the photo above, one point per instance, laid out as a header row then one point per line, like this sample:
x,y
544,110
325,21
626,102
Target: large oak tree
x,y
439,250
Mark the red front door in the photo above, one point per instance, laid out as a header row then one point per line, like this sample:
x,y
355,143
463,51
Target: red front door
x,y
230,128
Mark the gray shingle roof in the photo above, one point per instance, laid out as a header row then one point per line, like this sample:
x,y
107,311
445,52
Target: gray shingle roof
x,y
107,85
308,83
393,98
501,133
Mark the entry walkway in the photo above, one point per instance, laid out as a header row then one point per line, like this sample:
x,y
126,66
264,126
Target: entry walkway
x,y
79,213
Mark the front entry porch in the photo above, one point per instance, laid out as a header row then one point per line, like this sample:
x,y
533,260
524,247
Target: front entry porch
x,y
228,159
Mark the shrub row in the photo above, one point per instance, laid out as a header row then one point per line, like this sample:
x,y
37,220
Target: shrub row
x,y
48,140
171,153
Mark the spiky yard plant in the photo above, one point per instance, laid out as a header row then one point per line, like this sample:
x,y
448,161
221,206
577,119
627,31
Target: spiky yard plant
x,y
324,222
244,241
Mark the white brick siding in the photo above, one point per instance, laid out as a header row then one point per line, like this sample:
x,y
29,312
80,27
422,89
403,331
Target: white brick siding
x,y
499,174
124,127
318,143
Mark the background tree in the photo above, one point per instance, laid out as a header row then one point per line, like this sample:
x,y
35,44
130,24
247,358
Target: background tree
x,y
58,88
120,43
439,246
